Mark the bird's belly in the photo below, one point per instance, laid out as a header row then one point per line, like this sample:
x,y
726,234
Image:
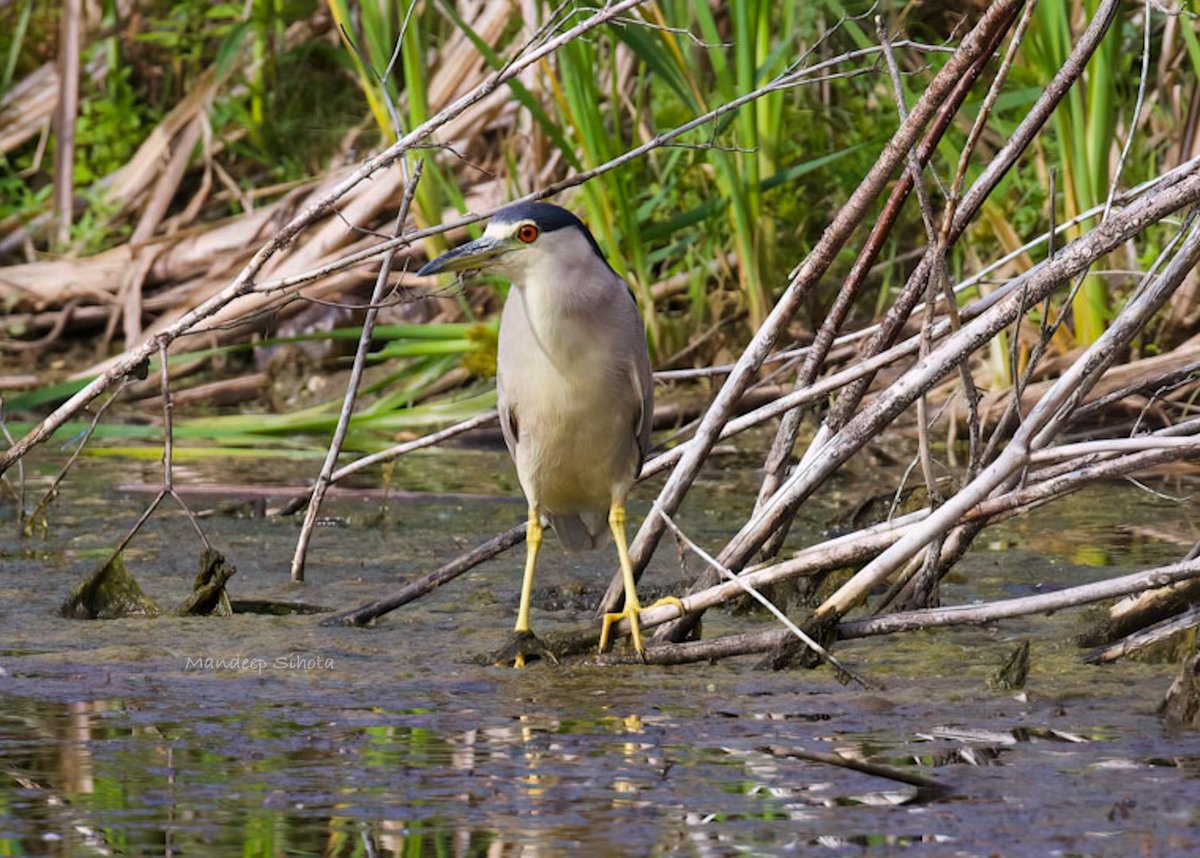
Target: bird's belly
x,y
574,455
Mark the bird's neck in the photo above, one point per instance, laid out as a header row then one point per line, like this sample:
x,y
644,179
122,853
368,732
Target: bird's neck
x,y
563,318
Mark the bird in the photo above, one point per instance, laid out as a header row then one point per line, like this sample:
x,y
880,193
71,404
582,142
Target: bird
x,y
574,390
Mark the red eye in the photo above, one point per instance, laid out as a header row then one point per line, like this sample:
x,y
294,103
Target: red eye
x,y
527,233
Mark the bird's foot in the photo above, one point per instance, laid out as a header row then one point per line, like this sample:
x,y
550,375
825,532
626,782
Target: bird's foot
x,y
524,646
631,613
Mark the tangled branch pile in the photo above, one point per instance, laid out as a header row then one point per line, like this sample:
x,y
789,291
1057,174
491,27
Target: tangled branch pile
x,y
1071,357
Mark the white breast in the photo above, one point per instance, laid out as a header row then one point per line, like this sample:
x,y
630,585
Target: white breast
x,y
574,396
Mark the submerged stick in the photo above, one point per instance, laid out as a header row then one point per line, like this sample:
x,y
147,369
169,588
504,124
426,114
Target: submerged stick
x,y
365,614
925,786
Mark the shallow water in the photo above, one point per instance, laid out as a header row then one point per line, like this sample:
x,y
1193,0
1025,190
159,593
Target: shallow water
x,y
271,735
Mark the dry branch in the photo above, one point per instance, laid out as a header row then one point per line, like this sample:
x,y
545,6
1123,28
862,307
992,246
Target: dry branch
x,y
1045,420
757,643
803,279
324,479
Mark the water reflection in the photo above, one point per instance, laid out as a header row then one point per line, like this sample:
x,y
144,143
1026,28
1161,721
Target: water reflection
x,y
111,744
141,777
113,777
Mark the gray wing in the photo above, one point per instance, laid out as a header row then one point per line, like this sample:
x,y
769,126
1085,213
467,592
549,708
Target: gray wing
x,y
643,381
512,316
508,417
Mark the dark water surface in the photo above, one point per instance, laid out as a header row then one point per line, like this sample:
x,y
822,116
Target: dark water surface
x,y
270,735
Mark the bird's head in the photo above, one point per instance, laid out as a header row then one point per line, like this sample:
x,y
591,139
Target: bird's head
x,y
525,239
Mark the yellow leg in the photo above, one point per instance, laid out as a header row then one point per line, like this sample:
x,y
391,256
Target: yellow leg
x,y
533,541
616,523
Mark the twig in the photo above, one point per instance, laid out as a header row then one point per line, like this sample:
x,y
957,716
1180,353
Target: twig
x,y
958,615
1145,637
356,371
823,653
1070,597
1137,110
19,492
168,477
168,448
39,511
1184,446
924,455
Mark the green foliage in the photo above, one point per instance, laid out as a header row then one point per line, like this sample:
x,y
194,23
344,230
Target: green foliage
x,y
728,209
111,125
1085,133
281,111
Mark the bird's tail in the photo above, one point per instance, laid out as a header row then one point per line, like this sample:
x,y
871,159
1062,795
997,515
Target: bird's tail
x,y
578,532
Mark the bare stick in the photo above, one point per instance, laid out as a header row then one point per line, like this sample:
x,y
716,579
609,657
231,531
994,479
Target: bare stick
x,y
39,510
924,455
804,638
1146,637
804,278
1185,447
1071,597
1041,425
959,615
356,371
1137,109
137,525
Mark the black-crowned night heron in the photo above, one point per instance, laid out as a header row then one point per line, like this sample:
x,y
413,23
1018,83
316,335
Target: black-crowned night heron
x,y
574,385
